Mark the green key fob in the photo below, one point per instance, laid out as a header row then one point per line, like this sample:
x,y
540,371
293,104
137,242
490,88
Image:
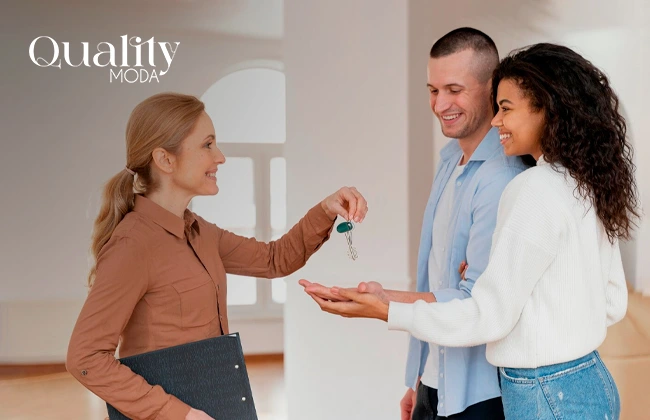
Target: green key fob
x,y
344,227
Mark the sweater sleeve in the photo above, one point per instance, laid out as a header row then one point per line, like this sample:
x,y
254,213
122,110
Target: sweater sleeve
x,y
616,289
524,245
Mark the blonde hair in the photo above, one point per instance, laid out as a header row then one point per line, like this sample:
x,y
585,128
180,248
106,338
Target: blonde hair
x,y
160,121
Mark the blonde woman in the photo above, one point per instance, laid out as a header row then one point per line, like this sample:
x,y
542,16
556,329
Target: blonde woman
x,y
160,273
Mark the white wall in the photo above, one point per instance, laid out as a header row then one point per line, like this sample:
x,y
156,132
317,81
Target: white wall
x,y
347,124
62,136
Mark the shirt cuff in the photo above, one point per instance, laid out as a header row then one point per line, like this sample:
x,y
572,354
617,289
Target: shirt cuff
x,y
174,409
400,316
319,220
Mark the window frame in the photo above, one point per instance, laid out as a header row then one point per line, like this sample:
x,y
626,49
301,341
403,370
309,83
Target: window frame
x,y
261,154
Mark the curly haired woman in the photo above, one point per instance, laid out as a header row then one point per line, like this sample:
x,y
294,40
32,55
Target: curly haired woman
x,y
555,280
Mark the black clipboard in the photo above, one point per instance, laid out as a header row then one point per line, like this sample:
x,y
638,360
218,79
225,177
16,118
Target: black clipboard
x,y
209,375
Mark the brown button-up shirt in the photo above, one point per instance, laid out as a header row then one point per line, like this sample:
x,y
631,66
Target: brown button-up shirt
x,y
161,282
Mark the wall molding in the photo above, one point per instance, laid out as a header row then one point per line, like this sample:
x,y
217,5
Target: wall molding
x,y
38,332
9,371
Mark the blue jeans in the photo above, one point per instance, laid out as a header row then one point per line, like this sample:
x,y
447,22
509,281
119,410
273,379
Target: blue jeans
x,y
582,389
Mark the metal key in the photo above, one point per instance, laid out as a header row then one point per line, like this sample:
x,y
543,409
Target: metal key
x,y
346,228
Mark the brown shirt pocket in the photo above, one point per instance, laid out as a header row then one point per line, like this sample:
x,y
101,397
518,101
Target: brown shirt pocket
x,y
198,301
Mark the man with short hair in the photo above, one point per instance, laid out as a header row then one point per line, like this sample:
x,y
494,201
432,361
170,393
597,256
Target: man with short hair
x,y
456,383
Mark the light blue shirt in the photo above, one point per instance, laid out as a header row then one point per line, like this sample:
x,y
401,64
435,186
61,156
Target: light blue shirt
x,y
465,376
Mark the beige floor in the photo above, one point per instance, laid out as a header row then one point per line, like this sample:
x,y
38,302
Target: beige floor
x,y
60,397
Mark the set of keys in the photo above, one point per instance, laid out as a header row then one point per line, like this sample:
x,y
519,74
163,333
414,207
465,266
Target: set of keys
x,y
346,228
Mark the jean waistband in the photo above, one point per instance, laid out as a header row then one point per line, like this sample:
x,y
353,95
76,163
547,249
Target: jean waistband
x,y
551,369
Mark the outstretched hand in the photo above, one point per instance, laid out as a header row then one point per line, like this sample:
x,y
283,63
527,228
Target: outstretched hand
x,y
348,303
326,293
323,292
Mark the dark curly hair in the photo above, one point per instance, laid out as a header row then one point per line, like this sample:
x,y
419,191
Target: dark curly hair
x,y
584,131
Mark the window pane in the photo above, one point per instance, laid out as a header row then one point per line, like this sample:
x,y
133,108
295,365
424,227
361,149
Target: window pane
x,y
242,290
279,290
277,234
278,193
248,106
278,286
234,206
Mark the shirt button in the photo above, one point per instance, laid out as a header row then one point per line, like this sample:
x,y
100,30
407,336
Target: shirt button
x,y
458,184
84,373
444,249
442,375
442,351
440,283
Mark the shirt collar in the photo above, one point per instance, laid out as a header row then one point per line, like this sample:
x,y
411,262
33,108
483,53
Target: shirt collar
x,y
164,218
485,149
541,161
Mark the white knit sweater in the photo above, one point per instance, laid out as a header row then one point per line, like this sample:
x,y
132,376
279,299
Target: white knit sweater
x,y
553,285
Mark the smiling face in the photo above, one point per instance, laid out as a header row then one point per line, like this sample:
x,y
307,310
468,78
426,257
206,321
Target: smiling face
x,y
520,126
195,167
458,97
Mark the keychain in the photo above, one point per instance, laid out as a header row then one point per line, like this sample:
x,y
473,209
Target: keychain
x,y
346,228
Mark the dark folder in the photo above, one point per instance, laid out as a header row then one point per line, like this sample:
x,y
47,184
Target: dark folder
x,y
209,375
